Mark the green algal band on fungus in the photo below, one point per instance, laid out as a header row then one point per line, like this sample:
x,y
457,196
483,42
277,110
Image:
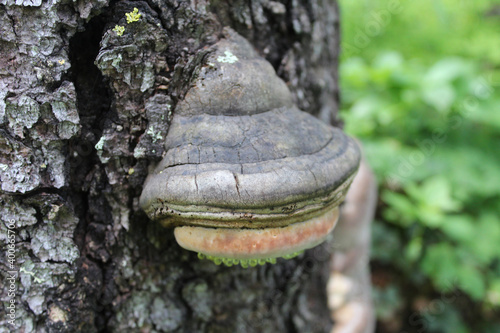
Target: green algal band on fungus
x,y
245,263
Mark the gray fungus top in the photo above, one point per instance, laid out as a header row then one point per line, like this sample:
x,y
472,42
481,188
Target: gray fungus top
x,y
240,154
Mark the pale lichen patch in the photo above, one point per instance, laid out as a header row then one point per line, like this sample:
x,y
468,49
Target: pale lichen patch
x,y
228,58
154,135
32,274
22,112
57,314
100,144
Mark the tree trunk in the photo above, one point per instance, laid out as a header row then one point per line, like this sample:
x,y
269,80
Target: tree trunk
x,y
84,107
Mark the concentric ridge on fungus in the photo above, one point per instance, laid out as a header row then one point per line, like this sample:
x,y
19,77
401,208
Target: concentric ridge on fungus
x,y
247,177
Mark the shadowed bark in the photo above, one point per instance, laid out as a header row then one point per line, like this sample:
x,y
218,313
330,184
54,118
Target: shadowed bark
x,y
83,114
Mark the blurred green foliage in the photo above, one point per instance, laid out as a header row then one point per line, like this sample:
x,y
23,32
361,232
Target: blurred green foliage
x,y
420,87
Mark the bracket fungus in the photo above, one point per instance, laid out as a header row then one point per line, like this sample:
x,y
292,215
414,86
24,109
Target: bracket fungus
x,y
247,177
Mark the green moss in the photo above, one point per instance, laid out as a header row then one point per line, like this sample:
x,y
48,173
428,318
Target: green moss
x,y
133,16
119,30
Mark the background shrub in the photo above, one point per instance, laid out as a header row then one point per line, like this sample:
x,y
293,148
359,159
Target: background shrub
x,y
420,87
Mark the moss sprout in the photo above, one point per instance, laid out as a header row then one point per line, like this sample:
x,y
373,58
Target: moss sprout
x,y
133,16
119,30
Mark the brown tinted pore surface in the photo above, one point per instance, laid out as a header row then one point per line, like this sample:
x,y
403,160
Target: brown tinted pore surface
x,y
257,244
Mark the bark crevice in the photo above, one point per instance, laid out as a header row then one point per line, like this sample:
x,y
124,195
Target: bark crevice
x,y
94,100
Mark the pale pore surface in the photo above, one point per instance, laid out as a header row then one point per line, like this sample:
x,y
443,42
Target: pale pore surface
x,y
257,243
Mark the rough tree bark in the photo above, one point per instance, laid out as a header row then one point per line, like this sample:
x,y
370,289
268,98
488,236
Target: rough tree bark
x,y
83,112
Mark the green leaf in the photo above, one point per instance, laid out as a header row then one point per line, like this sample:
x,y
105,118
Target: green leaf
x,y
484,243
440,262
493,294
436,192
471,281
441,97
446,70
414,249
401,210
459,227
